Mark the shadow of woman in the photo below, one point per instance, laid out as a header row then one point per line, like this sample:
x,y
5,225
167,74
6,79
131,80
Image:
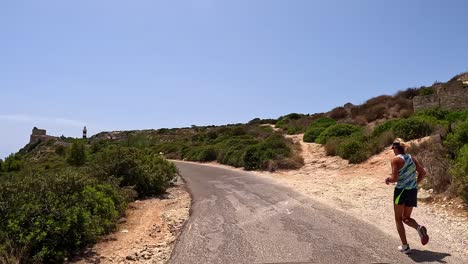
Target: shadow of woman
x,y
427,256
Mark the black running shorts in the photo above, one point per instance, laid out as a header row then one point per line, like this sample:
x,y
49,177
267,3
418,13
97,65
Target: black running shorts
x,y
406,197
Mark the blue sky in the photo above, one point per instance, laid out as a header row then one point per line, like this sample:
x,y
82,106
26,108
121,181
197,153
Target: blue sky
x,y
118,65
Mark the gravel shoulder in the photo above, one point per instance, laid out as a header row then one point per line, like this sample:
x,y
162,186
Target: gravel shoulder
x,y
148,232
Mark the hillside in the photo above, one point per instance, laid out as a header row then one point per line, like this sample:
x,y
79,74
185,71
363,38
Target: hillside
x,y
112,169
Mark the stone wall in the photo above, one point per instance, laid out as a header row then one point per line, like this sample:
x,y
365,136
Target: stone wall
x,y
450,96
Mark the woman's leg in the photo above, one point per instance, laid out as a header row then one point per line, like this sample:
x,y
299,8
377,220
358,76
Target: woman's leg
x,y
407,218
399,211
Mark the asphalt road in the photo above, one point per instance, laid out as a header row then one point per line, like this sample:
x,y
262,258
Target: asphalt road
x,y
238,217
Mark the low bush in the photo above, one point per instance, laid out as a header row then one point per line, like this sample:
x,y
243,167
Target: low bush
x,y
154,175
426,91
77,156
457,116
312,133
456,140
273,148
148,173
383,140
353,150
60,150
338,131
384,127
202,153
45,218
412,128
317,127
294,130
13,163
460,172
438,113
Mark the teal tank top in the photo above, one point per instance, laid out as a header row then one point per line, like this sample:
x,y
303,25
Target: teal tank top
x,y
407,174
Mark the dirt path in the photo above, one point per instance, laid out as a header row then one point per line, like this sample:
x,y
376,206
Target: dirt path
x,y
148,232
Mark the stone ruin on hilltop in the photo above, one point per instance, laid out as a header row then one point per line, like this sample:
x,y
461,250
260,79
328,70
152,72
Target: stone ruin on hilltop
x,y
452,95
39,135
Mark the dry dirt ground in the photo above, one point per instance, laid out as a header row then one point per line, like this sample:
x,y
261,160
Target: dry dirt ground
x,y
147,233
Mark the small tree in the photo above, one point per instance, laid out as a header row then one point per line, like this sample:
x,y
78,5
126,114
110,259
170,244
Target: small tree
x,y
77,156
12,163
1,165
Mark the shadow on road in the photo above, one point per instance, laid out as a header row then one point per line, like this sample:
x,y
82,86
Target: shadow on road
x,y
427,256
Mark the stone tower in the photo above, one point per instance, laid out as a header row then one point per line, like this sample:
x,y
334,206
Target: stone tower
x,y
38,135
85,131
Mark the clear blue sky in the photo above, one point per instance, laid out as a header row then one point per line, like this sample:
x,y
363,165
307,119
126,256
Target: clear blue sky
x,y
118,65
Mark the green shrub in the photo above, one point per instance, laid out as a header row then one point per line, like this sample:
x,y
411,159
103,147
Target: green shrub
x,y
386,126
154,175
383,140
426,91
456,140
280,123
1,165
137,140
338,131
413,127
317,127
252,158
323,122
77,156
60,150
437,113
233,156
353,150
294,130
45,218
273,148
13,162
312,133
149,173
460,172
171,150
202,153
457,116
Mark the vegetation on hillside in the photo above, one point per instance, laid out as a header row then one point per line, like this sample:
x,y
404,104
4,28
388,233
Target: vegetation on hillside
x,y
60,195
62,198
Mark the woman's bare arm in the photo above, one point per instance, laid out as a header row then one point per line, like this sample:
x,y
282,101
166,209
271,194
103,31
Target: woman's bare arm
x,y
420,169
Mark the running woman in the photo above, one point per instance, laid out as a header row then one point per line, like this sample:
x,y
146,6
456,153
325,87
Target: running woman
x,y
404,168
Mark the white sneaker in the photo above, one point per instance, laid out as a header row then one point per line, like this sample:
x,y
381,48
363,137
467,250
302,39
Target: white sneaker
x,y
405,249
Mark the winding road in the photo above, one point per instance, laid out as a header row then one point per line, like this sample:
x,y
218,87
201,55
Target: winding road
x,y
238,217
